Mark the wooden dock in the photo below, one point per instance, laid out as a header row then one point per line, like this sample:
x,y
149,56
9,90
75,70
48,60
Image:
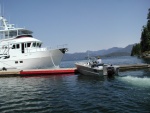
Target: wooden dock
x,y
48,71
10,73
133,66
61,71
33,72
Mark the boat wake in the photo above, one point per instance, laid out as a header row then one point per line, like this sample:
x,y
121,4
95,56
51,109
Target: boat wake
x,y
136,81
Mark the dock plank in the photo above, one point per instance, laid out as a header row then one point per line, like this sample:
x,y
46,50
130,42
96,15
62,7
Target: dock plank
x,y
133,66
9,73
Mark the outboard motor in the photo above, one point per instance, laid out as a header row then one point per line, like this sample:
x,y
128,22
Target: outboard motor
x,y
110,71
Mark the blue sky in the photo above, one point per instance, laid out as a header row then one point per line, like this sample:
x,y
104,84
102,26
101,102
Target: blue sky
x,y
81,24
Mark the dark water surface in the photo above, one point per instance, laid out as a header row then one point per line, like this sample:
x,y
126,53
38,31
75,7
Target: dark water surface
x,y
127,93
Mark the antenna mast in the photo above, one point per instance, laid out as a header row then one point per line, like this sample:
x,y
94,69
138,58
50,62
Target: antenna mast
x,y
0,10
3,10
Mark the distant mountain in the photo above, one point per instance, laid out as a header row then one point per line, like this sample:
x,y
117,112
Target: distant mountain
x,y
114,51
104,51
117,54
127,49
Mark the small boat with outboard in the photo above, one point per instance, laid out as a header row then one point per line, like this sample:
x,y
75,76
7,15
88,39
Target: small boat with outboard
x,y
91,68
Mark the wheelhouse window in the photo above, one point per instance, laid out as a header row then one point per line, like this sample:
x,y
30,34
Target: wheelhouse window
x,y
40,44
28,44
14,46
34,44
17,46
24,32
10,33
6,34
37,44
13,33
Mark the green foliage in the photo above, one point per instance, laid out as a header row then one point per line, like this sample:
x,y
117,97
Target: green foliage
x,y
144,46
148,22
148,16
145,36
136,50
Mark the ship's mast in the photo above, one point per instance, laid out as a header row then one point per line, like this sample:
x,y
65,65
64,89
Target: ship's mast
x,y
4,22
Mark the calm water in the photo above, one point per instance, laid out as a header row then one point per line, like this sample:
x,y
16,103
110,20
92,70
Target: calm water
x,y
127,93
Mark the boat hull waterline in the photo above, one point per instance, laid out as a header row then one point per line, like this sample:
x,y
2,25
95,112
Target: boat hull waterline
x,y
38,60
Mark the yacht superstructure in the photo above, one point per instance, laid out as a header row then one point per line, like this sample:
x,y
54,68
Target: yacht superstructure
x,y
19,49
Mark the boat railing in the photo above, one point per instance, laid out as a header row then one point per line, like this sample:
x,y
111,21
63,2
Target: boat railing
x,y
36,49
5,49
57,47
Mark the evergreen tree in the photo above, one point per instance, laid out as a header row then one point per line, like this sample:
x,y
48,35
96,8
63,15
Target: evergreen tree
x,y
145,36
148,22
136,50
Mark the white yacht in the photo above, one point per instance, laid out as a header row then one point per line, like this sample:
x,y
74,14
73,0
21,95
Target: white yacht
x,y
19,50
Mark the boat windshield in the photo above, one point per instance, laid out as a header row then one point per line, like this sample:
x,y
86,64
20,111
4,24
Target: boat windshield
x,y
24,32
14,33
36,44
92,58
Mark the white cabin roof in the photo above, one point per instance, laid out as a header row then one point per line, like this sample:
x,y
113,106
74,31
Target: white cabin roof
x,y
9,31
26,39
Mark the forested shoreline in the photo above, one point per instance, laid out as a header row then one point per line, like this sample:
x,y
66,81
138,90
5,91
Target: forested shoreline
x,y
143,48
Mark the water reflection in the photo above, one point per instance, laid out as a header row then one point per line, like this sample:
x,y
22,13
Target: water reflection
x,y
97,78
146,60
126,93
